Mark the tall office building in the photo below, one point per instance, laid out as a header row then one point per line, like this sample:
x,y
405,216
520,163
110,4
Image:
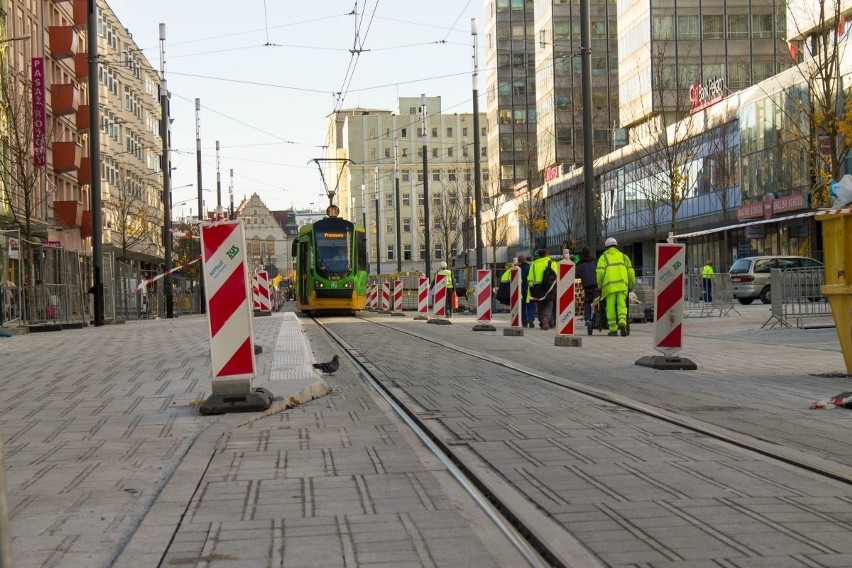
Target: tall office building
x,y
558,75
675,56
511,91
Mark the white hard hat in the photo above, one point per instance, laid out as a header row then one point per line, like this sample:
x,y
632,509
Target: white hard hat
x,y
611,242
443,264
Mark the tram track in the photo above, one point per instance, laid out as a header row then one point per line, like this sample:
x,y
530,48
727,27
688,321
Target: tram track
x,y
525,535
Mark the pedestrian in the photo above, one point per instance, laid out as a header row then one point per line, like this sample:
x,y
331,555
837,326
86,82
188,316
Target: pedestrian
x,y
616,277
451,289
707,279
587,273
527,307
541,288
504,287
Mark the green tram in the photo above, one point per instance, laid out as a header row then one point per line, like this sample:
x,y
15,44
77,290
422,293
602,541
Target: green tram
x,y
331,265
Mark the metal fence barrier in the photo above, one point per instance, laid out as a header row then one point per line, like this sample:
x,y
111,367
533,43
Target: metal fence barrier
x,y
796,296
53,304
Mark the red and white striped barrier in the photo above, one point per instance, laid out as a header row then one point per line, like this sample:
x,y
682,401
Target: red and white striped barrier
x,y
423,296
397,296
515,296
386,305
374,300
226,291
565,301
668,298
260,292
147,281
371,289
439,302
483,295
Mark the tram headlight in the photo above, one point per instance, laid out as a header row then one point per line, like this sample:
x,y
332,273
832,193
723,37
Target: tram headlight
x,y
347,284
318,284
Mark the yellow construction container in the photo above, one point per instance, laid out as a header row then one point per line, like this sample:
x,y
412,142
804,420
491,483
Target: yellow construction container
x,y
837,241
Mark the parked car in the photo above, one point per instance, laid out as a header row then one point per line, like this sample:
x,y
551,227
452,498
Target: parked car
x,y
750,275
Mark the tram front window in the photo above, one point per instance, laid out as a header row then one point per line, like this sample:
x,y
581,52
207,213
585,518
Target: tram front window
x,y
333,258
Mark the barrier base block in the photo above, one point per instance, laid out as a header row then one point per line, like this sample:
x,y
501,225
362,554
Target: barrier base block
x,y
484,327
398,314
513,332
568,341
257,400
262,313
440,321
667,363
421,318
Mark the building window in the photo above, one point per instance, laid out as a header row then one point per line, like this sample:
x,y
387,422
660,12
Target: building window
x,y
687,27
436,175
464,131
389,225
449,132
391,255
451,175
663,27
434,152
389,199
434,132
406,252
406,225
406,200
439,251
372,153
419,175
405,152
387,152
404,132
712,27
737,26
406,175
422,252
450,152
420,200
761,25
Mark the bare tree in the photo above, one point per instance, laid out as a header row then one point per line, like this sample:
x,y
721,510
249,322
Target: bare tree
x,y
495,230
567,214
23,198
719,173
817,29
532,209
667,151
135,222
448,212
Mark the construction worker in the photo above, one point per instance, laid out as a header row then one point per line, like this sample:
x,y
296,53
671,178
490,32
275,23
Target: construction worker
x,y
451,289
541,292
616,278
707,279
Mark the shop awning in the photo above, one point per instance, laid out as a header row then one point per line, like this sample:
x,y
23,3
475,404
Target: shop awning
x,y
747,224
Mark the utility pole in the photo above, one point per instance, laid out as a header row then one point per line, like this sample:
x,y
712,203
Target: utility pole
x,y
426,226
364,217
202,308
378,227
396,202
218,185
477,162
95,155
231,195
588,158
167,179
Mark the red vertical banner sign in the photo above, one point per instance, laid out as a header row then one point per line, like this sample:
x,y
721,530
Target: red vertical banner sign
x,y
39,120
229,306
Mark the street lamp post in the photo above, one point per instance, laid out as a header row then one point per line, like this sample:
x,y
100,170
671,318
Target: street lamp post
x,y
477,162
426,226
378,228
167,179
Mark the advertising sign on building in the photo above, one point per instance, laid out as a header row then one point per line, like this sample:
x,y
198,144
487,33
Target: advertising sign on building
x,y
39,120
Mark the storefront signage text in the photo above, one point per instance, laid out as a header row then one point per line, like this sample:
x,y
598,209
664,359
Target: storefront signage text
x,y
39,126
702,96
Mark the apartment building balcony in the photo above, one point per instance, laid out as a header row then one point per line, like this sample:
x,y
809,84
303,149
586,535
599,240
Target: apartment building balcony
x,y
80,13
63,41
84,174
86,224
82,120
63,98
66,156
81,65
68,214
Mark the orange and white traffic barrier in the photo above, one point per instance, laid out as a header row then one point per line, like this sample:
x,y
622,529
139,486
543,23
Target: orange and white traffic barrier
x,y
386,305
439,302
483,296
515,296
668,298
565,300
397,296
226,290
374,302
423,296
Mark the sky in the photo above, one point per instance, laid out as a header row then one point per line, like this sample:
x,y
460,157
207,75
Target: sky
x,y
269,72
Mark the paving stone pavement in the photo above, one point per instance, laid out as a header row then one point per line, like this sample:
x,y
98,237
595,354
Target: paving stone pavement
x,y
108,462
